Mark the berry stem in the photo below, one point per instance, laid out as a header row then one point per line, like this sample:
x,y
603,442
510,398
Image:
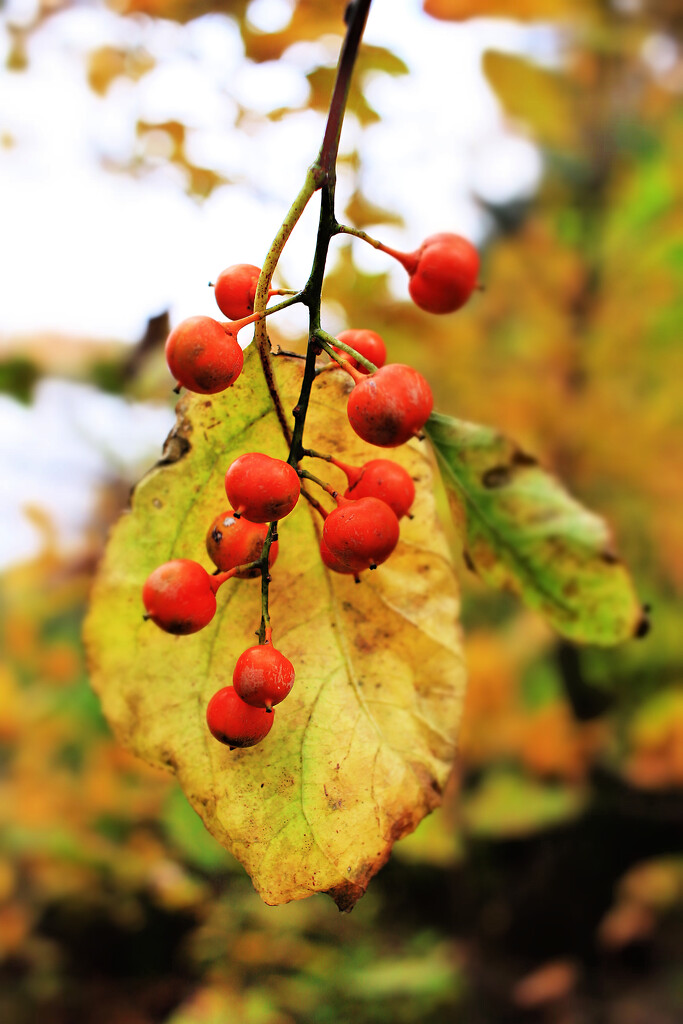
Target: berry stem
x,y
355,17
219,578
321,483
406,259
314,503
320,176
261,297
311,453
328,341
264,629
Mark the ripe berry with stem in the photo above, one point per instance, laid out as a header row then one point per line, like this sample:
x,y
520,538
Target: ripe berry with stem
x,y
180,596
367,343
232,542
379,478
445,275
234,722
204,356
261,488
263,676
390,406
235,290
361,534
443,270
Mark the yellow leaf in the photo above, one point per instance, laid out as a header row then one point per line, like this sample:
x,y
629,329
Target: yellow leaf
x,y
362,746
545,100
108,62
520,10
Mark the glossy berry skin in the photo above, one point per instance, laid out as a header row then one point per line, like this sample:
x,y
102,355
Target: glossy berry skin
x,y
203,355
367,343
335,565
390,406
446,273
361,534
383,479
231,541
179,596
261,488
235,723
263,676
235,290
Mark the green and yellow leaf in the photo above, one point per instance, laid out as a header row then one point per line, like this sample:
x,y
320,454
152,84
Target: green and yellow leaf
x,y
361,748
524,532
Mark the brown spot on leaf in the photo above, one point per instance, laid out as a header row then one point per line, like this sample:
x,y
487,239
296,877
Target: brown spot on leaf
x,y
644,625
609,557
175,448
520,458
467,558
496,476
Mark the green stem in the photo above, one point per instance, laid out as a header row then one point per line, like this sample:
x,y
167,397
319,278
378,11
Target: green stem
x,y
328,342
271,537
406,259
261,298
321,483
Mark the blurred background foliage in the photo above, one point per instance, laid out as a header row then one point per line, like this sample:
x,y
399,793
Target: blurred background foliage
x,y
550,885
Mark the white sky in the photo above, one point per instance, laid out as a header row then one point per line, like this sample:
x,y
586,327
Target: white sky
x,y
89,252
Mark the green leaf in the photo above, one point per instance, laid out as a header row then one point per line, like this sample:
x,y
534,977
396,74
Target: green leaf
x,y
362,747
524,532
508,804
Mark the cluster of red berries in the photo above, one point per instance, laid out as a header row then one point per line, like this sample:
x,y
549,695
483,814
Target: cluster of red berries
x,y
388,404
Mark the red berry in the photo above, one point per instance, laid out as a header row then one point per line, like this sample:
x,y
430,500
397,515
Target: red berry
x,y
366,343
231,541
390,406
446,273
361,534
336,566
234,722
383,479
261,488
235,290
203,355
263,676
179,596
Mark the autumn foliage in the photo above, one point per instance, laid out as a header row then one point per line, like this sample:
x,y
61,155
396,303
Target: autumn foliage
x,y
550,882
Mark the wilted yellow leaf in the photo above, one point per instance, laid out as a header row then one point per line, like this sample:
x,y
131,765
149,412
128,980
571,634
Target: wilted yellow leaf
x,y
361,748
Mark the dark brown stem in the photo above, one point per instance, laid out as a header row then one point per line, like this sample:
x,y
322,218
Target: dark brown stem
x,y
356,16
314,504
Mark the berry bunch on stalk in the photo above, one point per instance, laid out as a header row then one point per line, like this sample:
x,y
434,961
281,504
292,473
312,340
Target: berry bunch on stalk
x,y
388,405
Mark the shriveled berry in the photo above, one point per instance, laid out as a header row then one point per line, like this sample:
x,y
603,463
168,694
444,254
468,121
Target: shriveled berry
x,y
234,722
383,479
361,534
446,273
231,542
179,596
263,676
235,290
390,406
261,488
203,355
367,343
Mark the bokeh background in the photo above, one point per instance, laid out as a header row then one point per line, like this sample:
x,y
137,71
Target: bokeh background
x,y
145,145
